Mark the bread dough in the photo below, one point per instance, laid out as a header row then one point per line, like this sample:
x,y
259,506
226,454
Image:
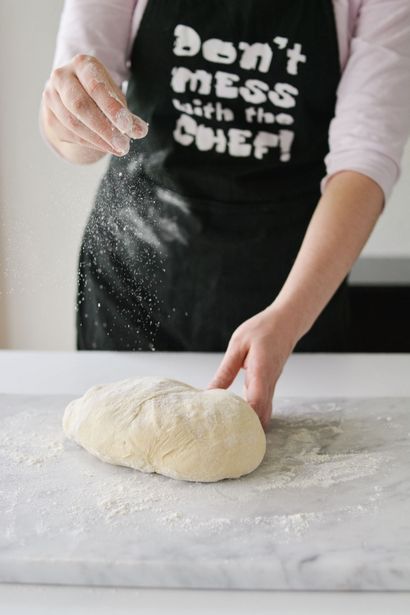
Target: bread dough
x,y
168,427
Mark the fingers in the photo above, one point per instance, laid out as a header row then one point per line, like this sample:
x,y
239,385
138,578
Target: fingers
x,y
89,107
229,367
76,100
259,388
261,402
98,84
70,129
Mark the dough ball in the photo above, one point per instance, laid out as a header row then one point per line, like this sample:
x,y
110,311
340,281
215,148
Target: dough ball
x,y
168,427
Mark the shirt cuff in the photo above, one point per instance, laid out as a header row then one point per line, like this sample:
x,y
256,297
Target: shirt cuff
x,y
380,168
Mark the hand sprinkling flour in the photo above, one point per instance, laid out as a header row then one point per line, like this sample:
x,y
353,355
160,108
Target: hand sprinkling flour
x,y
82,106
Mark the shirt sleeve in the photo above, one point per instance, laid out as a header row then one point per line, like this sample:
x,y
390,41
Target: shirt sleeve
x,y
372,118
101,28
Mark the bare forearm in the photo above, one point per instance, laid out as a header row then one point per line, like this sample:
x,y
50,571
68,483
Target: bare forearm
x,y
343,221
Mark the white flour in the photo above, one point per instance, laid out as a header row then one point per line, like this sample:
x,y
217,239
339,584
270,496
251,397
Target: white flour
x,y
306,458
292,467
32,447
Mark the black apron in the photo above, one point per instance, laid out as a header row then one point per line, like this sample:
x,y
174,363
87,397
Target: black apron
x,y
197,228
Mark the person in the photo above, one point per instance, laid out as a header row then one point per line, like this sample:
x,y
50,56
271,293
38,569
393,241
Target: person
x,y
276,131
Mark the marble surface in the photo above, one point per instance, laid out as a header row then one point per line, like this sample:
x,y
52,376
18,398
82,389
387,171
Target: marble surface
x,y
328,509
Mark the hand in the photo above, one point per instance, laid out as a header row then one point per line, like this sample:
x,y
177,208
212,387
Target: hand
x,y
83,106
261,346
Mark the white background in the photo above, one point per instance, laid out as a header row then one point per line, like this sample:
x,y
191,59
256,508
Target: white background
x,y
44,201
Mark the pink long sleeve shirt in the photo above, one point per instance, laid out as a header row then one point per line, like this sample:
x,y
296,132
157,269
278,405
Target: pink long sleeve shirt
x,y
372,117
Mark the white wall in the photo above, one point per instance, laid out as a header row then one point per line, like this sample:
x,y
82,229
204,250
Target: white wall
x,y
44,201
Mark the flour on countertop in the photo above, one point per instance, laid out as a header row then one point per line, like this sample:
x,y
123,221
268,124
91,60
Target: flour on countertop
x,y
32,447
309,454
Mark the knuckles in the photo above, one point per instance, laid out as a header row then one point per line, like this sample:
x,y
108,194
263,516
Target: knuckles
x,y
79,105
57,75
80,59
46,95
236,339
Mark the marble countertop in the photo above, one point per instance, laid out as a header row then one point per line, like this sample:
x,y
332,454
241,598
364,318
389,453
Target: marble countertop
x,y
327,509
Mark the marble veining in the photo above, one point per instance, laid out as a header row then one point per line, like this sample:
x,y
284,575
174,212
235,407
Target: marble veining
x,y
328,509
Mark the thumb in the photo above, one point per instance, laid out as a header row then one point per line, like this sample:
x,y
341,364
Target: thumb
x,y
228,368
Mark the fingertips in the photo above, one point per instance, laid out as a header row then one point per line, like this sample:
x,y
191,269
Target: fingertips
x,y
130,124
223,377
121,145
140,128
256,395
123,121
266,417
259,396
264,411
220,381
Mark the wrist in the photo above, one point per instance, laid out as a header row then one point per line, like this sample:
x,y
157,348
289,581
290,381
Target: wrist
x,y
292,316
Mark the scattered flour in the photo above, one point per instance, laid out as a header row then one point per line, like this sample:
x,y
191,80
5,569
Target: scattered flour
x,y
307,456
29,447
